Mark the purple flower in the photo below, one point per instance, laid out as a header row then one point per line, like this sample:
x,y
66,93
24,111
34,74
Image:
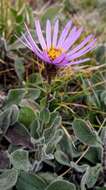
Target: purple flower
x,y
59,50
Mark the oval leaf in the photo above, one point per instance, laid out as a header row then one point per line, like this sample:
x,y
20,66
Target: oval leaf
x,y
8,117
14,97
8,179
62,158
19,135
19,160
30,182
61,184
85,134
26,116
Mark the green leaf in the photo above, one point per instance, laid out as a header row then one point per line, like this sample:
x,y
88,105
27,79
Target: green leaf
x,y
8,179
85,133
45,116
14,97
70,6
56,122
43,102
19,19
88,4
94,154
32,93
100,53
51,12
19,135
61,184
35,125
19,68
67,146
35,78
62,158
14,114
49,133
30,182
30,103
49,177
26,116
93,175
19,160
8,117
53,139
84,179
57,136
90,177
52,126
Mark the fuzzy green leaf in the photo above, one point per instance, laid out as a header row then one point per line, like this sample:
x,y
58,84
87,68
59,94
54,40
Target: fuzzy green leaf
x,y
19,160
8,179
30,182
14,97
26,116
8,117
85,133
19,68
61,184
62,158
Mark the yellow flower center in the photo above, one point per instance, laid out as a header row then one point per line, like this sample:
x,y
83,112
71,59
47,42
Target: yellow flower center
x,y
54,53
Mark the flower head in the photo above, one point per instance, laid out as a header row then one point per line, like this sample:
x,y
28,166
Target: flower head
x,y
59,50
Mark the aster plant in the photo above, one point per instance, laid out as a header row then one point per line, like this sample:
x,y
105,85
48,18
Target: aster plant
x,y
58,50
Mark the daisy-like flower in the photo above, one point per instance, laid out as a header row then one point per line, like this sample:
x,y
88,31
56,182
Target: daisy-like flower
x,y
59,50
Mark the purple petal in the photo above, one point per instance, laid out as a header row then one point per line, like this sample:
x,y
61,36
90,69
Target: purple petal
x,y
63,63
55,33
43,55
79,61
82,44
59,59
72,38
83,51
31,46
46,57
30,43
64,34
40,35
30,39
48,34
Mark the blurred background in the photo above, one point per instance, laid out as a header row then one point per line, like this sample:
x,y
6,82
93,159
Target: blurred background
x,y
89,13
17,64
